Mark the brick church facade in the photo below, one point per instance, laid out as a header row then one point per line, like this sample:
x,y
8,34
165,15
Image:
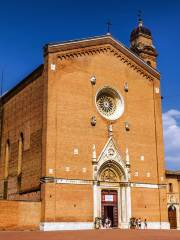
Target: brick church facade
x,y
81,138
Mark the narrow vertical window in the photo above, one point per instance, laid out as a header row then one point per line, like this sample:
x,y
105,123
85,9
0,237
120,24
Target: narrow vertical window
x,y
6,168
7,155
20,154
20,158
170,187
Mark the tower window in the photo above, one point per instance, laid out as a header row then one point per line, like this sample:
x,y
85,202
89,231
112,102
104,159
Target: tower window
x,y
149,63
170,187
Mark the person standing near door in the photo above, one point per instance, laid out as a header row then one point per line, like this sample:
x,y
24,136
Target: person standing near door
x,y
139,223
145,224
109,223
106,222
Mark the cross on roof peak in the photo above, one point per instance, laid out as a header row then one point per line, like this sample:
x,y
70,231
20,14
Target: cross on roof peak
x,y
109,24
140,21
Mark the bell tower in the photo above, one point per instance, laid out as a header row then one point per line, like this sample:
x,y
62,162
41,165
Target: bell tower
x,y
142,44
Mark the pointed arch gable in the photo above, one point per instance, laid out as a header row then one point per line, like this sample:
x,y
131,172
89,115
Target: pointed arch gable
x,y
110,152
112,158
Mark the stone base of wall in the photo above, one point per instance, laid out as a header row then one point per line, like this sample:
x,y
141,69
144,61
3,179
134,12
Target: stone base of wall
x,y
56,226
124,225
158,225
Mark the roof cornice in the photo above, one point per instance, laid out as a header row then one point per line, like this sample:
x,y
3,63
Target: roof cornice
x,y
100,40
22,84
173,173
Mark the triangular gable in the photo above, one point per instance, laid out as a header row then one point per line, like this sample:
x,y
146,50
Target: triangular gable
x,y
106,154
66,50
110,152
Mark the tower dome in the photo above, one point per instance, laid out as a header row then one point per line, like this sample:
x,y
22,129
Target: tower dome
x,y
142,44
140,30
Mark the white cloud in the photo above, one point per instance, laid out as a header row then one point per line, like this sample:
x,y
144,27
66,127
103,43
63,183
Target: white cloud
x,y
171,126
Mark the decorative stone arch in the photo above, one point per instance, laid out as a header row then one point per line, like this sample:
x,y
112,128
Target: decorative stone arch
x,y
111,171
110,156
111,175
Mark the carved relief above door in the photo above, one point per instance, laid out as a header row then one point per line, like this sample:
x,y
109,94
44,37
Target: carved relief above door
x,y
109,175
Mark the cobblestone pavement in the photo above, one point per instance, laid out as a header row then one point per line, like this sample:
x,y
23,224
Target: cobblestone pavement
x,y
110,234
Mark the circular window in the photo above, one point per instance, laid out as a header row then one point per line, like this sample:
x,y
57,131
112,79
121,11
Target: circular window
x,y
109,103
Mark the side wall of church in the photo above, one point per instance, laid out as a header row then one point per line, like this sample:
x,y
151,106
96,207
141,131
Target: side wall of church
x,y
13,215
22,115
70,136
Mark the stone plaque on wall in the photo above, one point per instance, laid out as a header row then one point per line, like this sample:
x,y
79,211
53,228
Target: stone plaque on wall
x,y
108,198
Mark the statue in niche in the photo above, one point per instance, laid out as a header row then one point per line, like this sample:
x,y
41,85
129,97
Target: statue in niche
x,y
111,152
172,199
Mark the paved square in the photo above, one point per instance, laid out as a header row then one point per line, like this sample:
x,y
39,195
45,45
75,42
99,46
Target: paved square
x,y
114,234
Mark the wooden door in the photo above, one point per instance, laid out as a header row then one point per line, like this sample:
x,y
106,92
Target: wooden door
x,y
109,206
172,217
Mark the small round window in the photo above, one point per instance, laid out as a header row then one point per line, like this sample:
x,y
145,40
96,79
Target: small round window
x,y
109,103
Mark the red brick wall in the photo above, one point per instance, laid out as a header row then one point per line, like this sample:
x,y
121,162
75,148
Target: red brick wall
x,y
70,104
22,113
145,204
17,215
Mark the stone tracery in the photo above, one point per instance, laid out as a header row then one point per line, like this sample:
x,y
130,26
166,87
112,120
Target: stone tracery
x,y
109,175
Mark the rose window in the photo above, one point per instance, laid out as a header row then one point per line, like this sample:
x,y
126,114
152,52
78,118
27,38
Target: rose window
x,y
109,103
106,105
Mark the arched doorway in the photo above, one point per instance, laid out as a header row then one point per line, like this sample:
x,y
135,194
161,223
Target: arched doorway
x,y
109,206
109,197
172,217
111,188
113,194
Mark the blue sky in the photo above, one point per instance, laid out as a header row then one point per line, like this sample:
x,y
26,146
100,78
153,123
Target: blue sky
x,y
27,25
